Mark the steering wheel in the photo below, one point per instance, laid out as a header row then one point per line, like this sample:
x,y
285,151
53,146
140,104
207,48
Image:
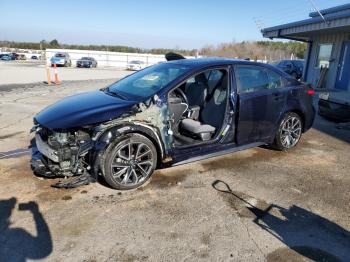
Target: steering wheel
x,y
182,94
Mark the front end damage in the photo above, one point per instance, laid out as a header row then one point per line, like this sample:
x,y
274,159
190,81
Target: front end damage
x,y
76,153
61,154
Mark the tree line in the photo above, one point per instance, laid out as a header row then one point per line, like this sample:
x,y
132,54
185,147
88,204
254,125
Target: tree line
x,y
255,50
43,45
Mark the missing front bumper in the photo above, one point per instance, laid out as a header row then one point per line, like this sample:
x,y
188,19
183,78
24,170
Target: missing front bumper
x,y
39,164
40,168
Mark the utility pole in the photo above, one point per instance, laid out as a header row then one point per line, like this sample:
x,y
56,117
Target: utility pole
x,y
107,63
41,51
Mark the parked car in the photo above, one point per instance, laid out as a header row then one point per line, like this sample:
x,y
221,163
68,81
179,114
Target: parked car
x,y
61,59
20,57
136,65
292,67
335,105
34,57
170,114
8,57
87,62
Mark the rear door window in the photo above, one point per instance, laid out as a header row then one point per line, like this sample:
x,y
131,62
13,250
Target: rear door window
x,y
275,80
254,78
251,79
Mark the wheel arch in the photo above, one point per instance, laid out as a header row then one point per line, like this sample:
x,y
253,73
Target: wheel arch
x,y
155,143
296,111
274,142
113,133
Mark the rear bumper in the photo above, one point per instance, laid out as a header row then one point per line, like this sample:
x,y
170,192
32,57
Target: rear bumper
x,y
334,110
83,65
133,68
58,62
309,116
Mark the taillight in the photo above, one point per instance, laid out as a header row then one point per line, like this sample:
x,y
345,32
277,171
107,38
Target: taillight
x,y
310,92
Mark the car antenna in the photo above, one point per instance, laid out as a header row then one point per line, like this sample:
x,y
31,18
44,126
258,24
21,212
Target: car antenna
x,y
318,11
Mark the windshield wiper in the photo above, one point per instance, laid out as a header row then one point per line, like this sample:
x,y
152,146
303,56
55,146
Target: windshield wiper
x,y
114,93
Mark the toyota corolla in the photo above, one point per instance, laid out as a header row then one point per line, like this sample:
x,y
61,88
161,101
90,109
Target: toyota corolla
x,y
169,114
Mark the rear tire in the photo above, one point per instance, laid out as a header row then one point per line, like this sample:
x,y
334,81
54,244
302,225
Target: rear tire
x,y
288,133
129,162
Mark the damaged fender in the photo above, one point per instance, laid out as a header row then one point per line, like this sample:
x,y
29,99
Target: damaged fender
x,y
151,120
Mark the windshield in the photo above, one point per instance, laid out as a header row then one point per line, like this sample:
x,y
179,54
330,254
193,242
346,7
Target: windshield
x,y
85,58
136,62
149,81
59,55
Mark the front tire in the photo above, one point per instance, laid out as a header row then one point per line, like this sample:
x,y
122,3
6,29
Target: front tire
x,y
129,162
289,132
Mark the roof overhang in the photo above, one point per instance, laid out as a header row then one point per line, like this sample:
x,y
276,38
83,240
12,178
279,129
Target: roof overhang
x,y
305,29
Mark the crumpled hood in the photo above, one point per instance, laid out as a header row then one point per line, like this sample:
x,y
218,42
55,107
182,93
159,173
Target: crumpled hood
x,y
83,109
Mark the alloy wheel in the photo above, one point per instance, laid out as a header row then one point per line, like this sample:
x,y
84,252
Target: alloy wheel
x,y
290,131
132,163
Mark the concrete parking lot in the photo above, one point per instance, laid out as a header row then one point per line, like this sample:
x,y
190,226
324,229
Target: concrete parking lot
x,y
24,72
254,205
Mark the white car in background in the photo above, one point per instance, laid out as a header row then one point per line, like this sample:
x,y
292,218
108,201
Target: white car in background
x,y
136,65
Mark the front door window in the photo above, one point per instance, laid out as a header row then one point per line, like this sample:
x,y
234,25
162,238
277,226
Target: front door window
x,y
198,107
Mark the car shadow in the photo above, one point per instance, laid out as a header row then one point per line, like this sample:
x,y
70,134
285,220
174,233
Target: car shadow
x,y
310,235
16,244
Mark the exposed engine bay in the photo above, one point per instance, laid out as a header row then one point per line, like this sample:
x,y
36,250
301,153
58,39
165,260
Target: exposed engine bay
x,y
64,152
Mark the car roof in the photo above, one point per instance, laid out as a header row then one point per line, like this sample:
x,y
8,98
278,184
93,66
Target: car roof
x,y
291,60
199,63
215,61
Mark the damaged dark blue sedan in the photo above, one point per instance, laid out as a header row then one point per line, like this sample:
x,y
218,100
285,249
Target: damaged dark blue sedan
x,y
169,114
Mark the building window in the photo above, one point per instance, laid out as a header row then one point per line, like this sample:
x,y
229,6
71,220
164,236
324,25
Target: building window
x,y
324,55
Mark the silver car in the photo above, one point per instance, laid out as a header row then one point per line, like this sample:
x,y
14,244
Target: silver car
x,y
61,59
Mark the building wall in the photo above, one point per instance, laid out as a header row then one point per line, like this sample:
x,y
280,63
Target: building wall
x,y
313,73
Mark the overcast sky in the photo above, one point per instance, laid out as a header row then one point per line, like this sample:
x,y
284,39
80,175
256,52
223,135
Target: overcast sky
x,y
148,24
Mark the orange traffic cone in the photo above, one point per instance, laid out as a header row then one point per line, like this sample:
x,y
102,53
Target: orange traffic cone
x,y
48,75
57,81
